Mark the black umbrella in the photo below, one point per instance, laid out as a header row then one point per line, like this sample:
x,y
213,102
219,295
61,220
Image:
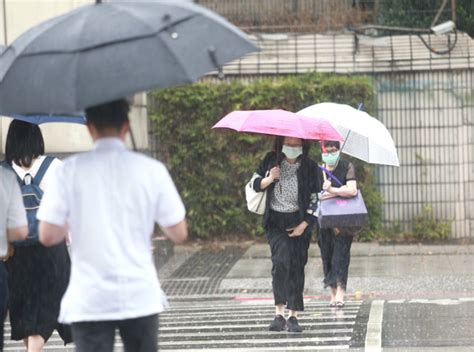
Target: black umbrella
x,y
102,52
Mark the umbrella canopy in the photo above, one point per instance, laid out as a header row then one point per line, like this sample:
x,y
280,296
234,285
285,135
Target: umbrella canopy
x,y
279,123
40,119
366,137
102,52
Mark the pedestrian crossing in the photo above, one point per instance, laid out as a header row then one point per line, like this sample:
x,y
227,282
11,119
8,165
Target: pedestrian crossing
x,y
243,326
238,326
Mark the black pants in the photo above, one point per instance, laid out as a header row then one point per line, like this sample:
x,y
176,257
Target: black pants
x,y
138,335
289,257
3,299
336,256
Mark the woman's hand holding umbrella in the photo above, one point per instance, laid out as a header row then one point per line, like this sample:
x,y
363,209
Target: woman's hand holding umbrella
x,y
273,176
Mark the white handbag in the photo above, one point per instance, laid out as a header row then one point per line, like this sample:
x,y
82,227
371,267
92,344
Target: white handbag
x,y
256,201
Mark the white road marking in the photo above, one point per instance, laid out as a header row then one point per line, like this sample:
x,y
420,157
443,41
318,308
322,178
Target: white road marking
x,y
373,339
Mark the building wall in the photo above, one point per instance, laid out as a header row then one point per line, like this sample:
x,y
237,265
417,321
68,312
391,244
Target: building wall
x,y
59,138
431,118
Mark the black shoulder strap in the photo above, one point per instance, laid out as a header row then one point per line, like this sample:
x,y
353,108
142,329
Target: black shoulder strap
x,y
42,170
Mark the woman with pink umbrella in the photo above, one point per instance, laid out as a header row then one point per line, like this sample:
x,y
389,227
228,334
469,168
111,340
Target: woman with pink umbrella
x,y
291,181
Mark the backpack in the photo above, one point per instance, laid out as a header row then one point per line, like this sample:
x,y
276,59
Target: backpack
x,y
32,195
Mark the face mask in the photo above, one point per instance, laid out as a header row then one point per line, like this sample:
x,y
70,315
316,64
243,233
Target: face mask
x,y
292,152
330,158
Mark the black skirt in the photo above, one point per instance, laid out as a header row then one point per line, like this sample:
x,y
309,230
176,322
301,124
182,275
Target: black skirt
x,y
38,278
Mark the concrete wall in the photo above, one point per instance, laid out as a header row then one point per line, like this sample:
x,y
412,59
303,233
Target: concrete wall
x,y
59,138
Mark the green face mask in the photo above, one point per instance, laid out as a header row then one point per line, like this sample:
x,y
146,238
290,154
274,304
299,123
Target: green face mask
x,y
330,159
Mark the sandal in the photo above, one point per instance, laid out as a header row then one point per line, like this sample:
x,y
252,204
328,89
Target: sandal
x,y
332,304
339,304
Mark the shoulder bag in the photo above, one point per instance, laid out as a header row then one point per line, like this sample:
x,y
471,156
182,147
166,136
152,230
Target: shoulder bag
x,y
256,201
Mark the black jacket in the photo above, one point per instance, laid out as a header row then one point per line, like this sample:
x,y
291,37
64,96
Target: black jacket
x,y
309,185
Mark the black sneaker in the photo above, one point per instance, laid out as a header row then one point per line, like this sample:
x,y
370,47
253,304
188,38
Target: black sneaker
x,y
293,326
278,324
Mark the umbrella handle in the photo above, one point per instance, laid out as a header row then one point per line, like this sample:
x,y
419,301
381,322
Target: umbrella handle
x,y
212,54
331,175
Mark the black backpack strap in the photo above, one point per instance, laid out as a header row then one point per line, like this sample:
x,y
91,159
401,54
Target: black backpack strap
x,y
42,170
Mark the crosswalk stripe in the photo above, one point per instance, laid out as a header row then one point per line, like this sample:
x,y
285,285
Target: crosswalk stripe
x,y
251,315
254,333
266,349
256,318
252,312
262,341
204,327
238,326
246,308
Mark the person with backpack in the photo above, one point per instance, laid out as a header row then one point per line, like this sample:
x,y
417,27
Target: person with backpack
x,y
38,275
13,227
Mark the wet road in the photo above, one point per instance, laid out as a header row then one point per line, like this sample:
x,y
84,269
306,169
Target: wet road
x,y
405,298
370,325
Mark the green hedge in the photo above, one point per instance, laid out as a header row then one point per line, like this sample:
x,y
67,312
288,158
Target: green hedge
x,y
211,167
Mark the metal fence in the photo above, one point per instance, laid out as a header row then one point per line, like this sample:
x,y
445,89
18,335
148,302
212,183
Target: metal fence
x,y
287,15
313,15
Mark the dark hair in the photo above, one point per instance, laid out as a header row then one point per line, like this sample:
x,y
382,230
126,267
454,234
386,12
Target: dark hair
x,y
24,143
334,144
278,145
304,158
109,115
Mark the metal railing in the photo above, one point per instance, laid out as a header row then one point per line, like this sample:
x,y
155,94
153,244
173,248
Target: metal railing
x,y
314,15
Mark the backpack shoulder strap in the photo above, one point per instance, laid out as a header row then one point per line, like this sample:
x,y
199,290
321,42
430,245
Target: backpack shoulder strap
x,y
42,170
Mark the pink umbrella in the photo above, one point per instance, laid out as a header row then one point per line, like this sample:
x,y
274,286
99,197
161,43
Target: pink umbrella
x,y
279,123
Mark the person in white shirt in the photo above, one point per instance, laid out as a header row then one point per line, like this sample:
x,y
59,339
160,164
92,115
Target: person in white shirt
x,y
38,275
109,199
13,227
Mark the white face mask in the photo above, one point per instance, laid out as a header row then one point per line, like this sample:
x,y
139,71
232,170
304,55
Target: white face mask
x,y
292,152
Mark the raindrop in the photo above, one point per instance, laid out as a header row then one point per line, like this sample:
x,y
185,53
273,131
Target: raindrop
x,y
174,35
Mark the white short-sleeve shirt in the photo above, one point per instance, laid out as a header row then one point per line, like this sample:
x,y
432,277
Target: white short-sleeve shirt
x,y
33,170
111,198
12,210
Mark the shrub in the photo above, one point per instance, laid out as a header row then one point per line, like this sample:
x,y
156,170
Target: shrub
x,y
211,167
427,227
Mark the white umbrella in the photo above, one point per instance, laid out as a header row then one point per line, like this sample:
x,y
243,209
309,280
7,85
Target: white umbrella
x,y
366,137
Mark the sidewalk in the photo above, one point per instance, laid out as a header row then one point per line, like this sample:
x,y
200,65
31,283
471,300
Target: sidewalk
x,y
406,271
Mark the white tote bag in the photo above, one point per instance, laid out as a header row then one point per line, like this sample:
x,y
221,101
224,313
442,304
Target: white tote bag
x,y
256,201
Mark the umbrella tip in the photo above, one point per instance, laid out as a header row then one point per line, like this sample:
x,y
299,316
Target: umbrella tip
x,y
98,1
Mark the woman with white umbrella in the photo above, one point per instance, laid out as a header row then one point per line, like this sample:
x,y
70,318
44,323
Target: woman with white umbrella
x,y
335,243
366,139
